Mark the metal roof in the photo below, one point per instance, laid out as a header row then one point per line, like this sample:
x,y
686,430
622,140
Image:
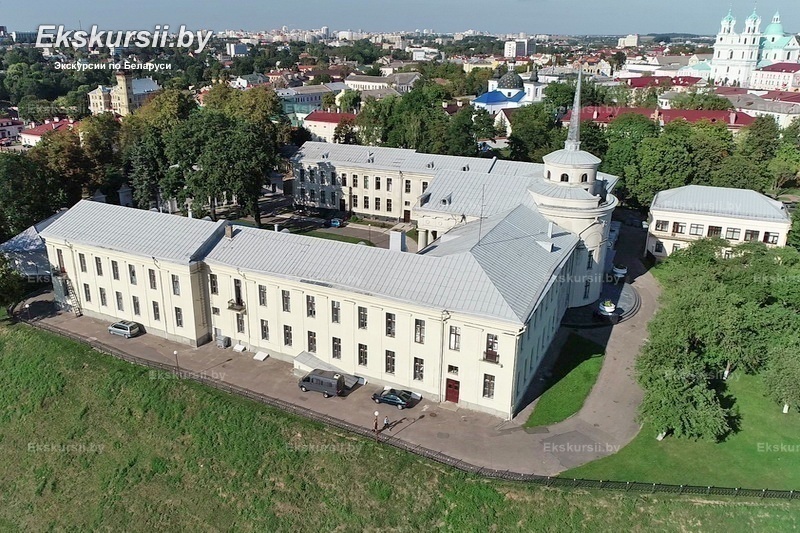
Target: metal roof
x,y
456,273
135,231
722,201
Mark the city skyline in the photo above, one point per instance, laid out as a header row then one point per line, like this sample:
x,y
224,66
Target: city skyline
x,y
603,17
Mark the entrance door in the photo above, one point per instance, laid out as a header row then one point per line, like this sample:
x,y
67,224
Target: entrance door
x,y
342,205
451,393
406,216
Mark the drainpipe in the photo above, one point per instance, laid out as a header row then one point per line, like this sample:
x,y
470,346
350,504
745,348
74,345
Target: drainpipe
x,y
445,318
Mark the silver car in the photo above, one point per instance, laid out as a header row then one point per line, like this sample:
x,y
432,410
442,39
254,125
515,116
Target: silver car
x,y
125,328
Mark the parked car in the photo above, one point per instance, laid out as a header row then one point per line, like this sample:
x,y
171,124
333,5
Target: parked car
x,y
325,381
125,328
399,398
336,223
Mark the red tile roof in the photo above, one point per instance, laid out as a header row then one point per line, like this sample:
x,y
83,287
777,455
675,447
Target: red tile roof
x,y
648,81
607,114
38,131
781,67
327,116
781,96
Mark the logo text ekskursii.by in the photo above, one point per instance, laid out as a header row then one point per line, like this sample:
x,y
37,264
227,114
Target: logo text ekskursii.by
x,y
57,36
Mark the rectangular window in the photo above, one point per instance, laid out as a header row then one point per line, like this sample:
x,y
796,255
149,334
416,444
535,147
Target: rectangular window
x,y
87,293
152,275
419,331
590,260
82,261
408,186
176,285
136,310
239,322
389,184
390,324
262,295
366,182
362,318
302,175
452,370
287,302
419,369
659,250
311,307
362,354
132,274
115,270
355,201
103,300
751,235
733,234
156,311
696,229
336,312
424,186
336,348
366,202
488,386
312,195
455,338
491,348
679,227
770,238
344,179
179,317
388,205
322,197
287,335
662,225
98,264
215,311
264,330
587,287
214,282
377,204
715,231
676,247
312,342
118,297
377,183
389,362
355,181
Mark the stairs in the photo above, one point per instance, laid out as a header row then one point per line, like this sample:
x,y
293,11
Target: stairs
x,y
73,298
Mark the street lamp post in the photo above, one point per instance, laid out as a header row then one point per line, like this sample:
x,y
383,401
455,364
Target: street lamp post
x,y
177,366
28,311
375,426
369,232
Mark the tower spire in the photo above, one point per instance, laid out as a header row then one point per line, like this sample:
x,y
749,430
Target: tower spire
x,y
573,141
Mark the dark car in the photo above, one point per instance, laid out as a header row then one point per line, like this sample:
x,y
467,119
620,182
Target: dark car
x,y
400,398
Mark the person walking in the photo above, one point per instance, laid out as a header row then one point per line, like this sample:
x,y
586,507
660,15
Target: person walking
x,y
386,423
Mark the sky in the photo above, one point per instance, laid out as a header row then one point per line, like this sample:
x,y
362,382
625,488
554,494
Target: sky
x,y
575,17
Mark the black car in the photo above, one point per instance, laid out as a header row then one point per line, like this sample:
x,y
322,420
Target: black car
x,y
400,398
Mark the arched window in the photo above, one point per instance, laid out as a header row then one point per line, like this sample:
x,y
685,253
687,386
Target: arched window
x,y
564,177
548,174
584,178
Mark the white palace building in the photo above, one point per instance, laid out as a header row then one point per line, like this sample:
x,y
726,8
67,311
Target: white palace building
x,y
506,248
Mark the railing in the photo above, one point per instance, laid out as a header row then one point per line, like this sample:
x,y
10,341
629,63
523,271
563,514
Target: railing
x,y
491,356
549,481
238,306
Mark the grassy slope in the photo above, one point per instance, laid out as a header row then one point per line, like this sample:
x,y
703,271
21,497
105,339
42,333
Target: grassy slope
x,y
574,374
178,456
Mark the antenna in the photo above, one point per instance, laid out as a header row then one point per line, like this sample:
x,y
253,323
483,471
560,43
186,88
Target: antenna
x,y
480,220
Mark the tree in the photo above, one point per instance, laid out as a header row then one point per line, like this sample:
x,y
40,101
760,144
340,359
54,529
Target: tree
x,y
12,284
460,137
29,193
60,152
782,376
345,132
794,234
350,101
624,136
148,167
711,144
664,163
701,100
593,139
484,124
100,141
532,132
760,140
741,172
329,101
784,168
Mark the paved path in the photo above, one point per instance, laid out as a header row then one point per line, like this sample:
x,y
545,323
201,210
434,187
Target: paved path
x,y
605,423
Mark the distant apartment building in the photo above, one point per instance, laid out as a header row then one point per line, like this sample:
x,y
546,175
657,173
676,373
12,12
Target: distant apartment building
x,y
402,82
33,135
236,49
629,41
125,97
683,215
10,128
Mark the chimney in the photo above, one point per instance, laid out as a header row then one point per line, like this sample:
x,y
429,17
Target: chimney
x,y
595,114
733,117
550,230
444,105
460,103
229,231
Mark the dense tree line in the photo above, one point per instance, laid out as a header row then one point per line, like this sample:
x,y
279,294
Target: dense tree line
x,y
717,316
